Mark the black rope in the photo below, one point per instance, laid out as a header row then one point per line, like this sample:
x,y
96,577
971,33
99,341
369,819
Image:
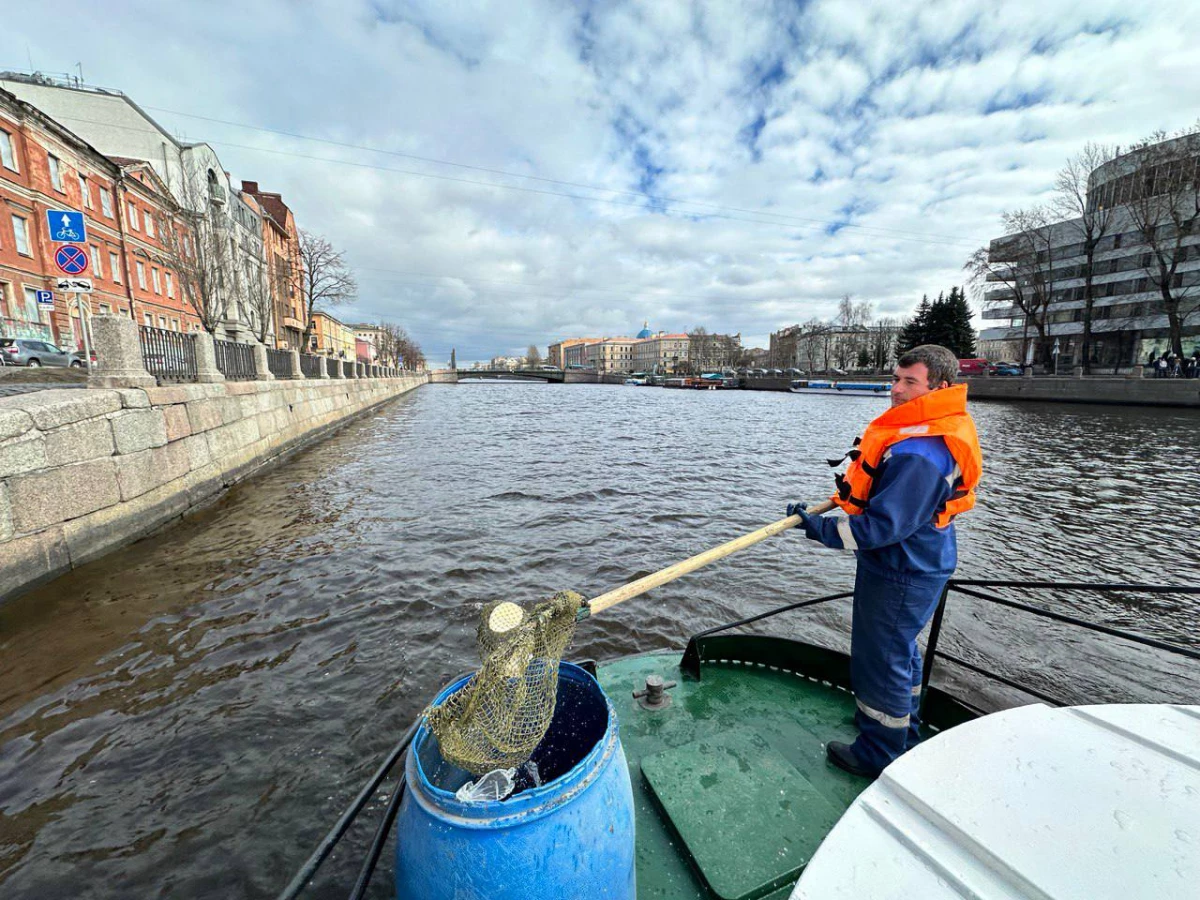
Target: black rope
x,y
1080,586
381,833
1025,689
772,612
1082,623
335,834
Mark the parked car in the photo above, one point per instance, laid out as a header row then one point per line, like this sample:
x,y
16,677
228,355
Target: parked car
x,y
972,366
34,353
1005,368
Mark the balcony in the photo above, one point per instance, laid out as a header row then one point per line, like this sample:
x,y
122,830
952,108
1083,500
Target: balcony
x,y
216,194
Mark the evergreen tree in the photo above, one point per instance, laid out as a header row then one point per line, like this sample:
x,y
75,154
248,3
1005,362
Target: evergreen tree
x,y
960,335
945,321
913,332
936,331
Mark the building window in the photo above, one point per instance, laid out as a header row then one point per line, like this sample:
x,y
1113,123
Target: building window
x,y
114,266
105,309
55,172
149,225
21,235
162,322
141,275
146,319
106,202
85,193
154,278
170,284
133,218
7,158
96,262
174,324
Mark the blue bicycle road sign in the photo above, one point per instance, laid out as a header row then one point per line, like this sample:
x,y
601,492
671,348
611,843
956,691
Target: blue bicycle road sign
x,y
66,226
71,260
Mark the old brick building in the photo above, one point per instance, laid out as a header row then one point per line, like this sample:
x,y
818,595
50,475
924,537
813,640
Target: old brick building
x,y
45,166
281,253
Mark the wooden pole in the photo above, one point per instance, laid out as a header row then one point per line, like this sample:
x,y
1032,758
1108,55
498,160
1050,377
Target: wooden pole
x,y
649,582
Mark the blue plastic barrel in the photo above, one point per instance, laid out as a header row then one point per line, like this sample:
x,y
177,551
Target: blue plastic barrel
x,y
570,839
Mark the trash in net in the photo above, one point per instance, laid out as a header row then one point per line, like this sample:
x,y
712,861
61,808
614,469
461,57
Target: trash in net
x,y
499,717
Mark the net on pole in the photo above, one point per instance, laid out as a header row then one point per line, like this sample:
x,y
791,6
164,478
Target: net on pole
x,y
500,716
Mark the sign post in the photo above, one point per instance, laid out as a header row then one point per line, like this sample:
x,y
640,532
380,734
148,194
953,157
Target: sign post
x,y
86,325
1055,352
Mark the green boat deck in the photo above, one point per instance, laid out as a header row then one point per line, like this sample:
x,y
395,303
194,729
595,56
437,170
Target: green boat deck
x,y
732,788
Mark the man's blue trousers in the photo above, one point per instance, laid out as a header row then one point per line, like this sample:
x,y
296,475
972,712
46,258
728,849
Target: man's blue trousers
x,y
890,611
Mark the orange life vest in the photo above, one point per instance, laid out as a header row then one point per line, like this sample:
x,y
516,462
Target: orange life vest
x,y
941,413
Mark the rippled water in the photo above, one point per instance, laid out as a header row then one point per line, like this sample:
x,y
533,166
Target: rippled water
x,y
186,717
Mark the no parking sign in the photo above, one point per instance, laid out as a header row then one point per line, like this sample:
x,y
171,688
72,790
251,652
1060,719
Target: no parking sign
x,y
71,260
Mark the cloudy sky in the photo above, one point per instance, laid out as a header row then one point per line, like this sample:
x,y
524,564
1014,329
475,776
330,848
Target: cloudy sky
x,y
516,172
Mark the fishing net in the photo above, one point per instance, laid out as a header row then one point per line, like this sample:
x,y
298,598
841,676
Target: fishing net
x,y
500,716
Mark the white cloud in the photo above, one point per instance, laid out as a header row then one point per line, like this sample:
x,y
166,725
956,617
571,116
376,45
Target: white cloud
x,y
919,122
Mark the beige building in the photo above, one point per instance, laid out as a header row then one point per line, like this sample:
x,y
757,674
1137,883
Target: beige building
x,y
331,338
610,355
660,353
574,352
557,353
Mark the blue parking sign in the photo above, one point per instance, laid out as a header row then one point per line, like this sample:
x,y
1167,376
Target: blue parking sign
x,y
66,226
45,298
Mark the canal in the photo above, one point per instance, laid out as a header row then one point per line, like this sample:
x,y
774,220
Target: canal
x,y
185,718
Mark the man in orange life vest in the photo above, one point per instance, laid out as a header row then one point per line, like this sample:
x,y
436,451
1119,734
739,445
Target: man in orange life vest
x,y
912,471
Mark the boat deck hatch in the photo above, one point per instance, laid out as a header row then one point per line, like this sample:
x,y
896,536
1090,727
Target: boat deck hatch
x,y
749,819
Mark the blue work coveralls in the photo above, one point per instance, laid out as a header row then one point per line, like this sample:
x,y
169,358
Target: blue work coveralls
x,y
904,561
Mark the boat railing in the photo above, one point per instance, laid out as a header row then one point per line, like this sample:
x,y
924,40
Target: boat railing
x,y
978,589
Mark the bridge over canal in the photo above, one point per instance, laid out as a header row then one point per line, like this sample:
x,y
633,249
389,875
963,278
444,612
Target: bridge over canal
x,y
480,376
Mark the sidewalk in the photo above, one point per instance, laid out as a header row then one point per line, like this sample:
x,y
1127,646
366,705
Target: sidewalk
x,y
22,380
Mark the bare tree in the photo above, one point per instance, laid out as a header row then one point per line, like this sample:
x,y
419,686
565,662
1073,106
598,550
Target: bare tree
x,y
883,336
199,251
327,281
814,338
1023,262
699,349
533,357
1164,205
1089,218
260,303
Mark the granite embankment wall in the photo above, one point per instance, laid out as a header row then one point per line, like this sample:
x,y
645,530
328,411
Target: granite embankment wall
x,y
1182,392
83,472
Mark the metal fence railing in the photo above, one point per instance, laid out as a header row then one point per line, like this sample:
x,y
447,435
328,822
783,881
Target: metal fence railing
x,y
279,363
333,367
168,355
235,361
310,365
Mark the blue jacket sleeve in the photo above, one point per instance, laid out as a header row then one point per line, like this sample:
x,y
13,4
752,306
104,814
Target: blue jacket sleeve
x,y
909,491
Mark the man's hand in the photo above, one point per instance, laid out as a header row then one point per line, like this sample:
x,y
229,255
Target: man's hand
x,y
806,521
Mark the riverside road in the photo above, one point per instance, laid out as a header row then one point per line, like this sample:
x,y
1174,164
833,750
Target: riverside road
x,y
185,717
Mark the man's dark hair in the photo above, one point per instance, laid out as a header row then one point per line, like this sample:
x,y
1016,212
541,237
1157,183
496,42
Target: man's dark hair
x,y
941,363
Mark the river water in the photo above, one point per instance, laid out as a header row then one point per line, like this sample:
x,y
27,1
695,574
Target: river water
x,y
186,717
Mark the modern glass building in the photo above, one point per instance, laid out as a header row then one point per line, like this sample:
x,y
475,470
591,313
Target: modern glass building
x,y
1145,268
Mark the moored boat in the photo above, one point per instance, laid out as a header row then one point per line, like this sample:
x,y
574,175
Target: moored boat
x,y
847,388
734,797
